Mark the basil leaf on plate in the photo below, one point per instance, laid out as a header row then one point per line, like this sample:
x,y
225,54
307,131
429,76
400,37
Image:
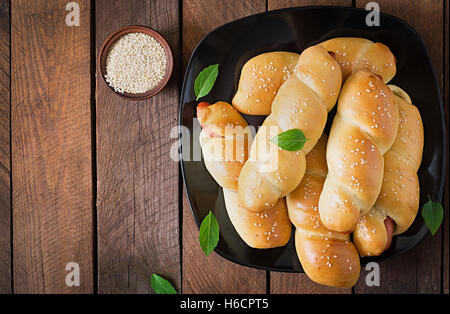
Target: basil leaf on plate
x,y
291,140
205,80
433,214
161,285
209,233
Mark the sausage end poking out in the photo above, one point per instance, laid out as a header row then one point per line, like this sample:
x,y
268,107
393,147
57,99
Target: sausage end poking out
x,y
200,116
202,105
390,225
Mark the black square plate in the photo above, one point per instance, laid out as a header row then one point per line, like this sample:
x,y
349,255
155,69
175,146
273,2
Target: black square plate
x,y
232,44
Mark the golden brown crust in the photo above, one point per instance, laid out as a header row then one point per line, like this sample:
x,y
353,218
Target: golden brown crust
x,y
224,169
316,159
219,116
370,235
270,171
261,230
224,154
366,102
318,70
328,262
410,136
302,102
399,195
327,257
224,143
363,130
355,54
261,77
297,107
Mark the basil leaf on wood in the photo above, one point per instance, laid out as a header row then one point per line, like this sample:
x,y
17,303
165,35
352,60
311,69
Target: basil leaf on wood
x,y
291,140
209,233
161,285
205,80
433,214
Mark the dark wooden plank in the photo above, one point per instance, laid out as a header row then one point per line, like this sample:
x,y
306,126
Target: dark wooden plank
x,y
280,4
446,232
419,270
51,147
5,156
137,183
300,283
213,274
286,283
201,17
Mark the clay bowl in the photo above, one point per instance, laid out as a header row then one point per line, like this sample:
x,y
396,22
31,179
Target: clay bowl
x,y
135,29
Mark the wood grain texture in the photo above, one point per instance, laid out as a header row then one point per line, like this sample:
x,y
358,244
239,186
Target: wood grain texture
x,y
286,283
51,147
5,156
137,187
202,16
213,274
280,4
300,283
446,231
415,271
137,182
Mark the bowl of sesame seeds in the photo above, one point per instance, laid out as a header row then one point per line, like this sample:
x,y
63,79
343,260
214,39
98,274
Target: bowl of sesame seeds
x,y
135,62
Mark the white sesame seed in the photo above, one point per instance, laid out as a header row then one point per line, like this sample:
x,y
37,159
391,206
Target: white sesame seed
x,y
136,63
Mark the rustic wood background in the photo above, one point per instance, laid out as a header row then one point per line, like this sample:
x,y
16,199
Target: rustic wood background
x,y
86,176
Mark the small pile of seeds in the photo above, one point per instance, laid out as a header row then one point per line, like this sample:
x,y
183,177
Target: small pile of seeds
x,y
136,63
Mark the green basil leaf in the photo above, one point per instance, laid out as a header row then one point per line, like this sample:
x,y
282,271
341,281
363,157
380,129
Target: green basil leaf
x,y
161,285
433,214
209,233
291,140
205,80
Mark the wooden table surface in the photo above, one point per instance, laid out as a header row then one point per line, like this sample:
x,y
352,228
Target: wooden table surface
x,y
86,176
